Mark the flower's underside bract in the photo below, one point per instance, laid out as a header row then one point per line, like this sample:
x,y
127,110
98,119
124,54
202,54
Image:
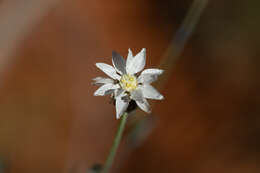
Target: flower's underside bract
x,y
125,85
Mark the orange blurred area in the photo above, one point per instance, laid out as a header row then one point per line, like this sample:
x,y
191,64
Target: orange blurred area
x,y
51,122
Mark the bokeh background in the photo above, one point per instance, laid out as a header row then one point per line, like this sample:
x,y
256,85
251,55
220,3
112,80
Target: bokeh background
x,y
51,122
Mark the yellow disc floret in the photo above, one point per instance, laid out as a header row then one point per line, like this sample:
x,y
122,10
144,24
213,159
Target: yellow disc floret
x,y
128,82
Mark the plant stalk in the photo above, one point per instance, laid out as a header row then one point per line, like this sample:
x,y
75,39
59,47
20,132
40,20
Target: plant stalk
x,y
115,145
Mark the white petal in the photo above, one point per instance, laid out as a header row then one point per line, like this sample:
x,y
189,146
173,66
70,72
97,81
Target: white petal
x,y
137,95
129,56
108,69
150,92
149,75
102,80
121,105
105,89
136,64
144,105
153,71
118,62
118,92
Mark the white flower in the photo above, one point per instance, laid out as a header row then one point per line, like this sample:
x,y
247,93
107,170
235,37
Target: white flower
x,y
125,85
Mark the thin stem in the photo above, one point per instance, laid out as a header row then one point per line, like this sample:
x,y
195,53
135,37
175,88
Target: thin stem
x,y
115,145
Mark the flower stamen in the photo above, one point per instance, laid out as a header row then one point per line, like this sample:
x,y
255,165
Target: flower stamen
x,y
128,82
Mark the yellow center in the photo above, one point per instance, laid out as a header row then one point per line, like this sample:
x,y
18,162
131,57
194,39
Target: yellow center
x,y
128,82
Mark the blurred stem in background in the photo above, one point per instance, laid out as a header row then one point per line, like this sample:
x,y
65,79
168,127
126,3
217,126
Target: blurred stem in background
x,y
17,19
180,39
143,125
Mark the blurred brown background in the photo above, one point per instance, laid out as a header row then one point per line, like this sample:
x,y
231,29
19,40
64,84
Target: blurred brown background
x,y
51,122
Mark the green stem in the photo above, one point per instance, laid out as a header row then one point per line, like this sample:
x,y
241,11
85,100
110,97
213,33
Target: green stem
x,y
115,145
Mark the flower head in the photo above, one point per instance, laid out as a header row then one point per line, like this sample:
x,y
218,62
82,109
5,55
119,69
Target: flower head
x,y
125,85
